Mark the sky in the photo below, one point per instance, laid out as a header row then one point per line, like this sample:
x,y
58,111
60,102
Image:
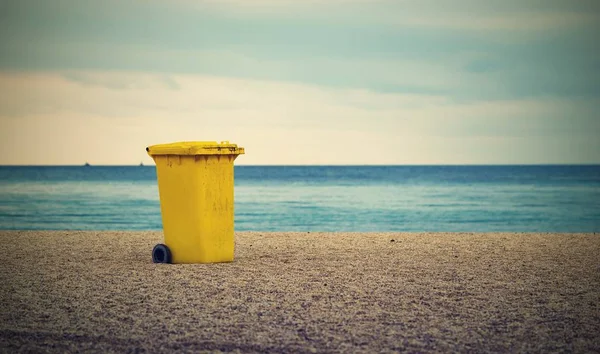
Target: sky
x,y
319,82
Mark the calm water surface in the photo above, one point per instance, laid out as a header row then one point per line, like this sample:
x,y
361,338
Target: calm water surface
x,y
318,198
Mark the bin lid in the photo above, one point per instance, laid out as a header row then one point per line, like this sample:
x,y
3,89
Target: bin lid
x,y
195,148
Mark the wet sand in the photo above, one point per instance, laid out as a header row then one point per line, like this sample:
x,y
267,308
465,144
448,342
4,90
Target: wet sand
x,y
303,292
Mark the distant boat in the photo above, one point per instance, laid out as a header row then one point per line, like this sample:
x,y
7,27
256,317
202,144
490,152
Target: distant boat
x,y
141,164
86,164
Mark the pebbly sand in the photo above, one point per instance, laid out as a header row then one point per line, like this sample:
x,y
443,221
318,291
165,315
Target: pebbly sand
x,y
303,292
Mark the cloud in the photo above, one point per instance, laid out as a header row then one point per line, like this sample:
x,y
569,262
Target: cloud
x,y
280,123
412,81
512,23
468,49
498,73
123,81
508,15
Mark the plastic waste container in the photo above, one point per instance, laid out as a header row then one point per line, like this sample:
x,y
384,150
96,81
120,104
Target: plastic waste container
x,y
195,185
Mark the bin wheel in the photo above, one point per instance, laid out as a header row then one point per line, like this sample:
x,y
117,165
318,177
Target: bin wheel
x,y
161,254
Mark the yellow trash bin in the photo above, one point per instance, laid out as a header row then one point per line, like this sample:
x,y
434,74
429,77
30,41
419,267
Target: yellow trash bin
x,y
195,185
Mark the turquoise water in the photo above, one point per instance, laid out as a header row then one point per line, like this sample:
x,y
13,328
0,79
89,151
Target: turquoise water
x,y
318,198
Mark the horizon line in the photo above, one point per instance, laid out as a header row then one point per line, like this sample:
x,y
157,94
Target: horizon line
x,y
322,165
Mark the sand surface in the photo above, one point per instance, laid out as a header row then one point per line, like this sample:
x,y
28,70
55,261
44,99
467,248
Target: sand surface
x,y
299,292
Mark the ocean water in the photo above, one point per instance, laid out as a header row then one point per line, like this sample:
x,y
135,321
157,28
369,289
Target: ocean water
x,y
564,198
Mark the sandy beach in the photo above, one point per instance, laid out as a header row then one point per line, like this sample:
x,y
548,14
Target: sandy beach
x,y
65,291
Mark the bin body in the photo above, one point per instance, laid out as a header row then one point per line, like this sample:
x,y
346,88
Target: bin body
x,y
196,190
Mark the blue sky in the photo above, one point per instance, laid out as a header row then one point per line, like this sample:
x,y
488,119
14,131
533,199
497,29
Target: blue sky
x,y
311,82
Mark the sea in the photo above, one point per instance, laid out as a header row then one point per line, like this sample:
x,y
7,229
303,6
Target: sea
x,y
498,198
